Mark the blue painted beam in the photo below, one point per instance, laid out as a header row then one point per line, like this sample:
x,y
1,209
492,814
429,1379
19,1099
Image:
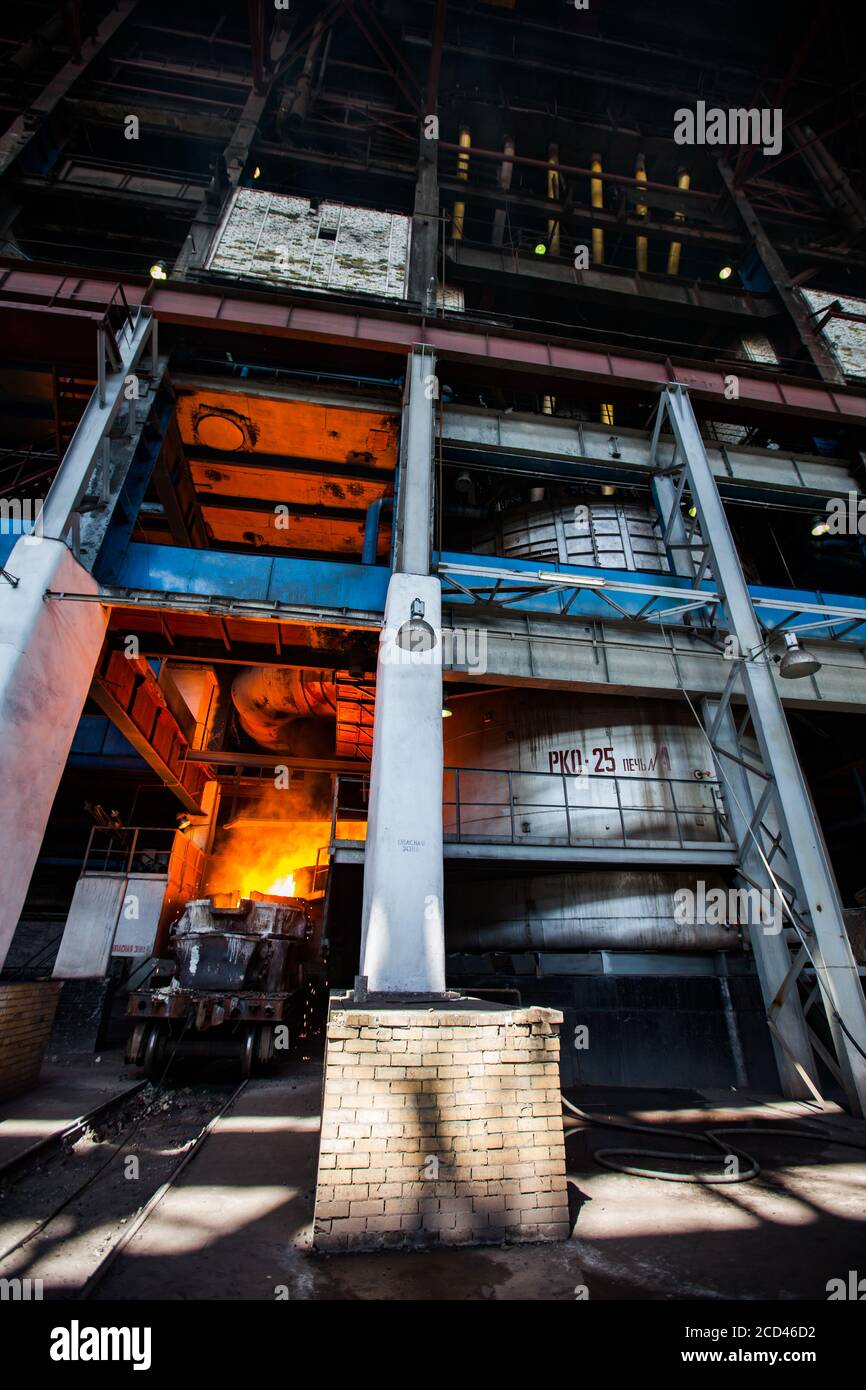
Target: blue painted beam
x,y
329,584
590,605
264,578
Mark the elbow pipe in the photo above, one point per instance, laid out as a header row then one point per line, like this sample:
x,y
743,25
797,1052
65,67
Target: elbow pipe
x,y
371,528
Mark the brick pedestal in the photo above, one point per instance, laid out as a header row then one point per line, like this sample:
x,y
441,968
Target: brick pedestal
x,y
440,1125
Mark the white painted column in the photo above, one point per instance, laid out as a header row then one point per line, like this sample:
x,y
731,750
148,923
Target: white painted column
x,y
48,653
403,936
402,929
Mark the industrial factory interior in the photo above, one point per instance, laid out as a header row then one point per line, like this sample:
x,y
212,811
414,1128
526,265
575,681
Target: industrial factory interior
x,y
432,657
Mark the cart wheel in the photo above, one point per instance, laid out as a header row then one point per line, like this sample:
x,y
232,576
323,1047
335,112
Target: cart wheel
x,y
248,1051
154,1053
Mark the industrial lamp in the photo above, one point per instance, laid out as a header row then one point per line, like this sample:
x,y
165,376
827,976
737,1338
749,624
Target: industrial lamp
x,y
797,662
447,711
726,272
820,527
159,271
416,635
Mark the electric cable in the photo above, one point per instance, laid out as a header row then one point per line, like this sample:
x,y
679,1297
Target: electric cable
x,y
612,1158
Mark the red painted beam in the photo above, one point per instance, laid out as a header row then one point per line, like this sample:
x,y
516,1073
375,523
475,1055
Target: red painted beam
x,y
208,307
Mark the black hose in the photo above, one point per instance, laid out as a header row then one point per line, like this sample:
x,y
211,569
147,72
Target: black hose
x,y
609,1158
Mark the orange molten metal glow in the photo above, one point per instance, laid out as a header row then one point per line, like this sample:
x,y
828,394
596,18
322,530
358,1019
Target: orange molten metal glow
x,y
266,856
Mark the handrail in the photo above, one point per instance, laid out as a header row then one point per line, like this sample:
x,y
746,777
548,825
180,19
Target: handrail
x,y
125,844
457,808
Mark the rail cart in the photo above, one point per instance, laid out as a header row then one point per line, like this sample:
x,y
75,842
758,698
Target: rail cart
x,y
243,978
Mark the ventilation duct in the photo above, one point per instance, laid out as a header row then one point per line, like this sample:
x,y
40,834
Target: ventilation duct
x,y
271,699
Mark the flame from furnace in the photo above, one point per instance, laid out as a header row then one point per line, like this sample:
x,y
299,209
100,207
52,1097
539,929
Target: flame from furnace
x,y
265,855
264,848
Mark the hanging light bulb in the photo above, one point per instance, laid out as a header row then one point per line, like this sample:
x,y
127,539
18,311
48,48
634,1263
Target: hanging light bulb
x,y
159,271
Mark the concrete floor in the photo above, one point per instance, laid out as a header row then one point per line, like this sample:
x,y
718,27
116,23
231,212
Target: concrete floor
x,y
238,1224
64,1094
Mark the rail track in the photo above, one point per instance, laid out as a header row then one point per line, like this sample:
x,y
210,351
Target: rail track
x,y
100,1178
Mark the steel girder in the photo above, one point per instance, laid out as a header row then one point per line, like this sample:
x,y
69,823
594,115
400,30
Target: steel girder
x,y
233,311
781,833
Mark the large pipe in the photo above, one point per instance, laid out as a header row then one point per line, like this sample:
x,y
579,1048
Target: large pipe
x,y
553,189
579,171
830,177
598,910
641,209
296,99
459,215
270,699
596,192
506,169
683,181
372,521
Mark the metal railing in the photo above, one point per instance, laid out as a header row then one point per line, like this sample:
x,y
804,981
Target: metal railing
x,y
504,806
132,849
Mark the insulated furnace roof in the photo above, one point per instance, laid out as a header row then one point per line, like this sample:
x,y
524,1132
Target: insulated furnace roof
x,y
284,240
847,339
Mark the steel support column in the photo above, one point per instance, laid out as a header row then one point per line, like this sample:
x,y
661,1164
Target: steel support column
x,y
425,228
48,652
414,514
811,895
812,341
788,1030
425,216
86,467
403,934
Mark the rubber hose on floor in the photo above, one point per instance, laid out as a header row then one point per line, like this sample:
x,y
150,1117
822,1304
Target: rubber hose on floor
x,y
609,1158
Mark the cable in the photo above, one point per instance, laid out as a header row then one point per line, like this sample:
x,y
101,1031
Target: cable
x,y
609,1158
